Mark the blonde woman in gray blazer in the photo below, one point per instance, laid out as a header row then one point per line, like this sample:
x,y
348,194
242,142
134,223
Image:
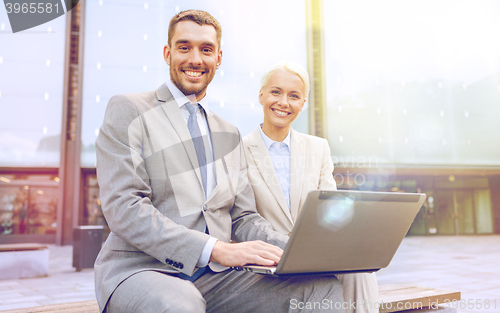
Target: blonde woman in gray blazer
x,y
284,165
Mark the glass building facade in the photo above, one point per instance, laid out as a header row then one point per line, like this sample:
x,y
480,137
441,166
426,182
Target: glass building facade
x,y
412,98
414,82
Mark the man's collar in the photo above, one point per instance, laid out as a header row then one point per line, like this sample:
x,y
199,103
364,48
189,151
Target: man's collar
x,y
181,98
268,141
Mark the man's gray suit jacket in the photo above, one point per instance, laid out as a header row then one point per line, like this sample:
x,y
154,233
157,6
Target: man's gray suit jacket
x,y
152,196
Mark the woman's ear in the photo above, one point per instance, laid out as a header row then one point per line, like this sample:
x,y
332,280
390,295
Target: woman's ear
x,y
303,103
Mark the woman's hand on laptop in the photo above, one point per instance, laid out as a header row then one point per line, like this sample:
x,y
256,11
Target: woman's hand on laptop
x,y
248,252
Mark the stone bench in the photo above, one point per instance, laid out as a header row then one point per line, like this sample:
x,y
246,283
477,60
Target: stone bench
x,y
395,298
23,260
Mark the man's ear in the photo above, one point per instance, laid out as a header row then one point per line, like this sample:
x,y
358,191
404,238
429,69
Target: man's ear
x,y
166,54
219,59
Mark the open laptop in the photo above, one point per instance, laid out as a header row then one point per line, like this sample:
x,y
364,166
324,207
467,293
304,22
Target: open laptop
x,y
345,232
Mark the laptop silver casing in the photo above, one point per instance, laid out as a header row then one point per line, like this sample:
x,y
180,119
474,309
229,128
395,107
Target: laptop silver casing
x,y
347,231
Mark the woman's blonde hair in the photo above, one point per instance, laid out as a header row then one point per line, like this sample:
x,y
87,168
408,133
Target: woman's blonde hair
x,y
292,67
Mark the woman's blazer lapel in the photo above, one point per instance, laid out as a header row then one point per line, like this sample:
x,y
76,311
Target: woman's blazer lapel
x,y
262,160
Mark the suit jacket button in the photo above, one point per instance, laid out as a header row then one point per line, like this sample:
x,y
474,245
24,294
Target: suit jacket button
x,y
181,266
167,260
205,207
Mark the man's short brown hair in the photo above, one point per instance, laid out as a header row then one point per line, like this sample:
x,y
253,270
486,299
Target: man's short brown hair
x,y
197,16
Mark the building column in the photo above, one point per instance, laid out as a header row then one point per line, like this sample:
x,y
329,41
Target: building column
x,y
70,194
316,68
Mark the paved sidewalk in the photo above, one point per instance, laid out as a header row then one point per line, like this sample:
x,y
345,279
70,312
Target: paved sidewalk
x,y
62,285
470,264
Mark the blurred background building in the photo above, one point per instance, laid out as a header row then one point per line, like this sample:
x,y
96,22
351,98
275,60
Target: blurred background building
x,y
406,92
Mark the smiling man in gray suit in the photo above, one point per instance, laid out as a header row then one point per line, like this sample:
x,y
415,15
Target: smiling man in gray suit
x,y
174,191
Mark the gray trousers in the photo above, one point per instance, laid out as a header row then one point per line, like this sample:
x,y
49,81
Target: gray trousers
x,y
228,291
362,290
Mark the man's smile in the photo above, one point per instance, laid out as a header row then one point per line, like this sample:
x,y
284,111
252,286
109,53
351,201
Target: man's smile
x,y
193,74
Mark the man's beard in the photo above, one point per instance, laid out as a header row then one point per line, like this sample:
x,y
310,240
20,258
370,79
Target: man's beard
x,y
192,89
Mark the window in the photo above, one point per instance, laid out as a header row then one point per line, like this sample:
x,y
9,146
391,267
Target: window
x,y
28,204
126,55
410,82
31,91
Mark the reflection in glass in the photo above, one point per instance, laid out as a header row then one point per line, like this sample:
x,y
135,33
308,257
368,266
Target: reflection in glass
x,y
465,210
482,203
42,213
13,210
410,83
92,215
28,205
444,212
31,91
125,54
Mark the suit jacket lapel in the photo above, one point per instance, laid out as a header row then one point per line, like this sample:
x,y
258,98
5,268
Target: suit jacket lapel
x,y
213,127
177,121
297,169
264,164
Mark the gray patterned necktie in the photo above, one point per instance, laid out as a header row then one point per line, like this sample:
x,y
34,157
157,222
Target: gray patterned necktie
x,y
199,146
